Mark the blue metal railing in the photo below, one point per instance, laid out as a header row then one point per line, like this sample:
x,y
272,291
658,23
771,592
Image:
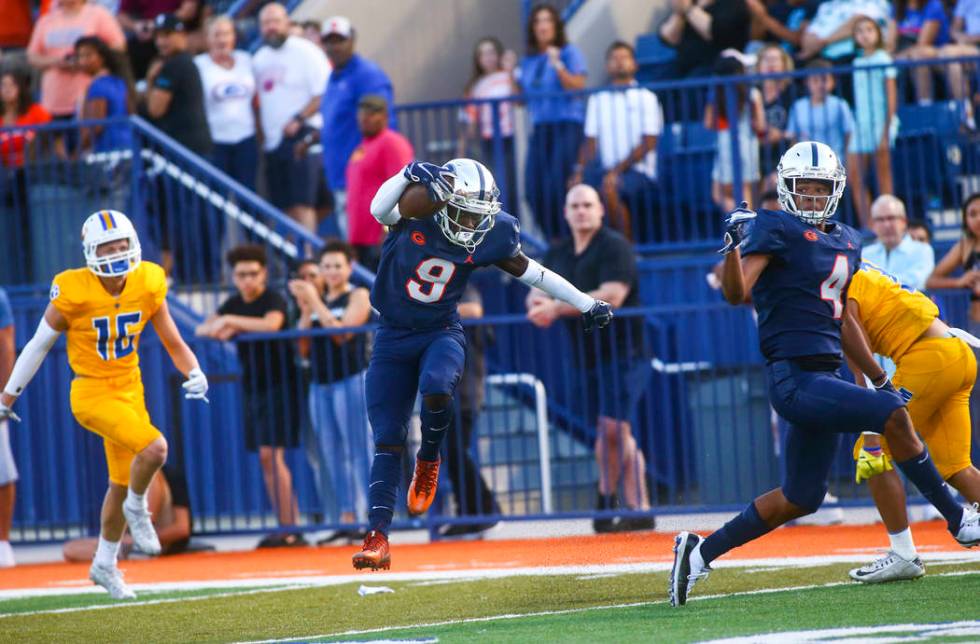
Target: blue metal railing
x,y
699,412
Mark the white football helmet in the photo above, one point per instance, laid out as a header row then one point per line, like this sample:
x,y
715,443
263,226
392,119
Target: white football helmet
x,y
815,161
106,226
469,215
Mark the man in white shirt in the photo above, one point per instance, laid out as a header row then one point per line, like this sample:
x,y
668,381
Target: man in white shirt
x,y
622,123
290,73
895,251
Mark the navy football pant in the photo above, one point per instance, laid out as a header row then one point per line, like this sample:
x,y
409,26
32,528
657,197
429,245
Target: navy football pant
x,y
819,406
404,362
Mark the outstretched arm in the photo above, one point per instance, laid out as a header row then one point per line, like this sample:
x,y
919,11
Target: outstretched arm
x,y
184,359
52,325
196,385
537,276
595,312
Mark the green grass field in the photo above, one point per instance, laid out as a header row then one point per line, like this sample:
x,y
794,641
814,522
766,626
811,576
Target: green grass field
x,y
568,608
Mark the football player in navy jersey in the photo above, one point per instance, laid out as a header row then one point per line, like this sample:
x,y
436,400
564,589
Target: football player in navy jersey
x,y
420,347
796,265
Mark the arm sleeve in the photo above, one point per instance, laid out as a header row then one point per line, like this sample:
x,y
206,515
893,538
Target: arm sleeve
x,y
108,29
384,206
574,60
319,71
653,115
168,78
591,128
537,276
31,358
921,268
848,117
156,288
765,236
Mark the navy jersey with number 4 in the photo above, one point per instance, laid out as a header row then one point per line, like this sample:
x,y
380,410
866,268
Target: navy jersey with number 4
x,y
801,293
422,276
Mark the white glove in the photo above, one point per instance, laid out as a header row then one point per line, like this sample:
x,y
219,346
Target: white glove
x,y
196,385
7,412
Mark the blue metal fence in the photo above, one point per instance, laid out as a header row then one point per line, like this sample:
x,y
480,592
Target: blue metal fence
x,y
702,422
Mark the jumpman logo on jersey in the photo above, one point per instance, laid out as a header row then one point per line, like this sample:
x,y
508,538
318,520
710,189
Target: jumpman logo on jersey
x,y
469,259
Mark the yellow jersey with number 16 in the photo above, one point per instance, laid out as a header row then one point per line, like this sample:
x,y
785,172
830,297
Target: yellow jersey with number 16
x,y
894,315
103,330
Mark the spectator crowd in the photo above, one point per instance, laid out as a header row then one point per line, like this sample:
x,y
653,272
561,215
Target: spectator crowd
x,y
310,123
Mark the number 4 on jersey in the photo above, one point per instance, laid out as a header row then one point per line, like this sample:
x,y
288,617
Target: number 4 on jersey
x,y
832,288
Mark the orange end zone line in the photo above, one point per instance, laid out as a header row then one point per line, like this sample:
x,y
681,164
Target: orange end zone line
x,y
649,547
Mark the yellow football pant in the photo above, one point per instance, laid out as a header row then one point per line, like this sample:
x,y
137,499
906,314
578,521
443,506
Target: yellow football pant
x,y
940,373
114,408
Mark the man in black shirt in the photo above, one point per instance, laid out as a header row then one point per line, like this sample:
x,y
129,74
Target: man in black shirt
x,y
175,104
601,262
701,29
175,98
270,387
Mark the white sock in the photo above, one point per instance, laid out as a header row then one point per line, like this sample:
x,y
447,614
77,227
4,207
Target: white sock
x,y
135,500
106,553
902,544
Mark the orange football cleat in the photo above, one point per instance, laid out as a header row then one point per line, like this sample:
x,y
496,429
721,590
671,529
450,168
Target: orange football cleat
x,y
374,553
423,487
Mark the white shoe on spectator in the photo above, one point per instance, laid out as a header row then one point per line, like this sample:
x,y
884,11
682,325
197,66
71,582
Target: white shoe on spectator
x,y
6,555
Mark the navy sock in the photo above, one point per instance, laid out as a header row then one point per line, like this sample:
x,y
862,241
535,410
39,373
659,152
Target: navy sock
x,y
742,529
923,474
435,424
386,471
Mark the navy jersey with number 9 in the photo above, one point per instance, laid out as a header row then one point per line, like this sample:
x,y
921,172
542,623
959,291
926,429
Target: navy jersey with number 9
x,y
801,293
422,276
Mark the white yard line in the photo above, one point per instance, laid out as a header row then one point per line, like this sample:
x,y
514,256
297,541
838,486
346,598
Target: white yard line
x,y
569,611
276,584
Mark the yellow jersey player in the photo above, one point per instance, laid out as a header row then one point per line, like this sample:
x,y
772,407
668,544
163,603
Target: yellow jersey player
x,y
103,309
936,367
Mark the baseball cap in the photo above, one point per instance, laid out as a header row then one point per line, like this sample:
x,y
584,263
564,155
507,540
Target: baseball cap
x,y
373,102
338,25
168,22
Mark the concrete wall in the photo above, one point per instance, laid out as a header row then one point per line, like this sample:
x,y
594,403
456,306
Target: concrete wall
x,y
598,23
425,45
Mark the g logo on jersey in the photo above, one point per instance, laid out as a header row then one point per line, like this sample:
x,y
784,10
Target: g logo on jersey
x,y
418,238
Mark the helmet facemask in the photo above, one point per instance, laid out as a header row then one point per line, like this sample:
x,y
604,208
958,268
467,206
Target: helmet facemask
x,y
115,264
105,227
466,219
788,193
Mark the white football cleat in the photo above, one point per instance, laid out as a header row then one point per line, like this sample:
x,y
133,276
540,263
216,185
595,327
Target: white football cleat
x,y
6,555
891,567
110,578
141,528
969,533
689,568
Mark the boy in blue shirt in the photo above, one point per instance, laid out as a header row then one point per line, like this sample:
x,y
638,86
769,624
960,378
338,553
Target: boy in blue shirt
x,y
822,116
